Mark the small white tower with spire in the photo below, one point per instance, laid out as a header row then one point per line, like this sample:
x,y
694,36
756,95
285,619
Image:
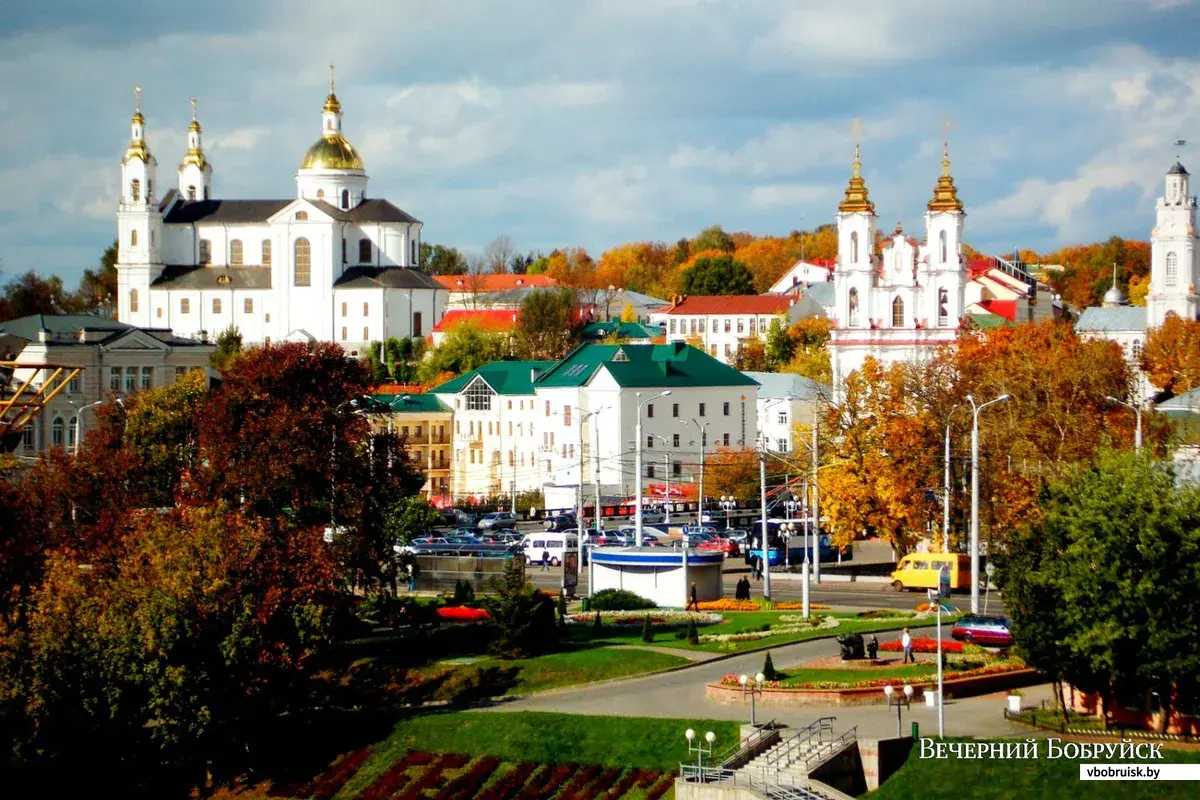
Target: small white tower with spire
x,y
1173,252
855,271
195,170
332,170
139,224
944,220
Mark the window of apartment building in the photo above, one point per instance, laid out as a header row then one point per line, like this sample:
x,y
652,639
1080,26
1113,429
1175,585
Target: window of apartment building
x,y
343,251
185,306
471,429
566,416
364,251
417,431
181,371
702,324
510,433
417,327
675,440
712,350
133,301
728,350
56,432
649,441
510,409
147,378
571,451
547,408
693,326
266,252
781,445
781,418
674,409
1136,348
302,263
345,334
898,313
512,458
216,305
672,328
366,309
130,383
158,312
235,253
29,438
345,309
752,326
725,440
740,325
676,468
366,334
248,305
725,408
943,317
74,385
727,324
547,466
650,409
649,470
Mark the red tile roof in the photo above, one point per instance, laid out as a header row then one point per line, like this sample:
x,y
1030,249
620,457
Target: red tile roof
x,y
730,304
499,282
490,319
1001,308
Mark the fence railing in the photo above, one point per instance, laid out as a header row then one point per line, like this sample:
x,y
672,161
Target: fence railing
x,y
740,754
768,782
823,751
821,731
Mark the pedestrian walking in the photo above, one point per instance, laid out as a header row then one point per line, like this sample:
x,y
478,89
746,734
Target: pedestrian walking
x,y
693,602
873,647
545,561
758,567
906,643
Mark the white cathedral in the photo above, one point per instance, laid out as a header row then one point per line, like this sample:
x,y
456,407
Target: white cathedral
x,y
330,264
902,306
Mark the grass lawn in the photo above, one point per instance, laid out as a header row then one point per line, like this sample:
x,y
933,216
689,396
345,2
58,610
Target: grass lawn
x,y
567,668
742,621
547,738
1000,779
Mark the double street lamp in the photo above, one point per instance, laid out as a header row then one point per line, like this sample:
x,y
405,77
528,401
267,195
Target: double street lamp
x,y
751,686
901,699
728,504
703,428
702,748
975,409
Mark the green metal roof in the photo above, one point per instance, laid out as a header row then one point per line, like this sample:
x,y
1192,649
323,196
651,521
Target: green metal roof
x,y
625,330
505,377
987,321
650,365
411,403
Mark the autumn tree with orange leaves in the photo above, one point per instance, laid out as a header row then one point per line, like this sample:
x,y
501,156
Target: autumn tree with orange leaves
x,y
1171,356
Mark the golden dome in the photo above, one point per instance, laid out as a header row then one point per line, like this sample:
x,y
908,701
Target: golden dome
x,y
857,200
945,195
137,149
332,104
332,151
195,156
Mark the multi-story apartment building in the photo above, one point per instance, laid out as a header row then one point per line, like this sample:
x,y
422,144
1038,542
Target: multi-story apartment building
x,y
426,424
116,359
495,445
721,324
785,401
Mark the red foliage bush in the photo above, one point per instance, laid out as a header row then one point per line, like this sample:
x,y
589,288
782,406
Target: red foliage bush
x,y
327,784
922,644
390,782
462,614
646,778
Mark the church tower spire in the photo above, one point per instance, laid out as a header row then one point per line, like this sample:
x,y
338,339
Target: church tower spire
x,y
139,224
945,195
856,201
195,170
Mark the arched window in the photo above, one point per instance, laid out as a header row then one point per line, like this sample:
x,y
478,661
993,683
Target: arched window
x,y
345,198
133,301
301,215
266,252
72,427
943,308
205,251
366,334
345,309
56,432
1136,349
897,313
942,246
235,252
191,193
853,307
133,238
303,262
854,247
320,194
135,190
1172,269
344,334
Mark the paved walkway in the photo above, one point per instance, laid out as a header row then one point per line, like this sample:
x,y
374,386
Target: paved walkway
x,y
690,655
681,694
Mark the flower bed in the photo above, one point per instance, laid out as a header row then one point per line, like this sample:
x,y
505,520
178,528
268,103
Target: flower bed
x,y
725,604
462,614
731,680
922,644
824,623
659,618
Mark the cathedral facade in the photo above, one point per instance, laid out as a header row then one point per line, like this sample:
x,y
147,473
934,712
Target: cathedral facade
x,y
902,304
329,264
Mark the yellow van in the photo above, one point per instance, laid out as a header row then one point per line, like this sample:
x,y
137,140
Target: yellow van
x,y
920,571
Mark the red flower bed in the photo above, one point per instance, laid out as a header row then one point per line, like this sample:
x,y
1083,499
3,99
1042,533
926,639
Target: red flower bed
x,y
582,778
511,784
922,644
390,782
665,784
623,786
469,783
328,784
462,614
548,785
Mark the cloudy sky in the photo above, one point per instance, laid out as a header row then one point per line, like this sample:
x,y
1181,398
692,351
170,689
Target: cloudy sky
x,y
593,122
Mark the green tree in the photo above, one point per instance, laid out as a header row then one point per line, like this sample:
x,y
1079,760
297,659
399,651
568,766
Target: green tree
x,y
438,259
713,238
769,672
717,275
97,292
522,617
781,347
548,326
1119,560
30,293
463,348
160,430
682,252
229,345
404,520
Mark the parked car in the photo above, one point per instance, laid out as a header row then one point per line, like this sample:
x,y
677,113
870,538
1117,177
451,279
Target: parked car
x,y
458,517
725,545
422,544
469,532
992,631
652,516
497,520
561,522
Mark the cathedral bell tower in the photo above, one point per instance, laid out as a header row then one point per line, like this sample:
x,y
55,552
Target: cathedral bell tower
x,y
1173,253
139,225
331,170
947,274
855,272
195,170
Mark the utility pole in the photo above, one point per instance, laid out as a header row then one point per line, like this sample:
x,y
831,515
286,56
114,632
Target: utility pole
x,y
975,496
766,537
816,499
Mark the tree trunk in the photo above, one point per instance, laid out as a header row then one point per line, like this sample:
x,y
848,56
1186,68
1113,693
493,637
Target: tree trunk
x,y
1164,708
1062,704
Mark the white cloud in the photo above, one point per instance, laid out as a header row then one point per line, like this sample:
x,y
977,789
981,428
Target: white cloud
x,y
789,195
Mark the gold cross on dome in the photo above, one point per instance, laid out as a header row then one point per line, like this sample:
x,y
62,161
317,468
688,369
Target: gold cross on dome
x,y
331,77
193,109
137,98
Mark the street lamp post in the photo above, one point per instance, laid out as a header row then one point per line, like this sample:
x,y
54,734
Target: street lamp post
x,y
766,534
79,423
816,497
900,700
728,504
946,485
637,451
666,478
701,749
751,686
1135,409
700,493
975,496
